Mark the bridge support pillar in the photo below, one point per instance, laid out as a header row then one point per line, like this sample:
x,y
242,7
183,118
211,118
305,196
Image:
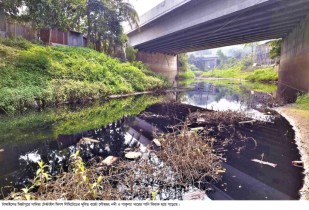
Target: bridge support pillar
x,y
294,62
160,63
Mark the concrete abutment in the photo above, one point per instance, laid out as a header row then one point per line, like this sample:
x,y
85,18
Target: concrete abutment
x,y
160,63
294,62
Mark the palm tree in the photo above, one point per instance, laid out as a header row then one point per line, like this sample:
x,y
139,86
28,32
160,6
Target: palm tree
x,y
132,16
252,45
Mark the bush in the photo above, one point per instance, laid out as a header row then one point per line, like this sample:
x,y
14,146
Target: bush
x,y
186,75
198,73
263,75
131,54
303,101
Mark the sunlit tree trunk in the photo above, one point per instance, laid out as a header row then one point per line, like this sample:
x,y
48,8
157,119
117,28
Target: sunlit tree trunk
x,y
50,37
89,28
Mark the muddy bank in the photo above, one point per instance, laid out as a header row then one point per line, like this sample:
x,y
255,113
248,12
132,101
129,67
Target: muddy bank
x,y
150,92
299,119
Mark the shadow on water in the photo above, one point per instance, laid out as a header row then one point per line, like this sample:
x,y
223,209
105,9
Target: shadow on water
x,y
51,136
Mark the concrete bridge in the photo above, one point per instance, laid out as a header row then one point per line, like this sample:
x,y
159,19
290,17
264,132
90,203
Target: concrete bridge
x,y
209,61
180,26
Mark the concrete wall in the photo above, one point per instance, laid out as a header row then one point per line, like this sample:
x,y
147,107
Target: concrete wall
x,y
160,64
294,61
2,23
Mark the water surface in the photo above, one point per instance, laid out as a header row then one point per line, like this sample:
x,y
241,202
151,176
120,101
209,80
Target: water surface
x,y
51,135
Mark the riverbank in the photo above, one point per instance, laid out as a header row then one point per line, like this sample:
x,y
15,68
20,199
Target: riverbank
x,y
35,75
299,119
262,74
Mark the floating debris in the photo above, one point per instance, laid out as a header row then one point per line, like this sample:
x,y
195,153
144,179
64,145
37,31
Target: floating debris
x,y
247,122
110,160
200,120
220,171
128,150
133,155
298,163
88,140
196,195
197,129
265,163
157,142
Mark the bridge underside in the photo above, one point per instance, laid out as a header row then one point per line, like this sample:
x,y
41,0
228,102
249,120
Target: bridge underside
x,y
199,25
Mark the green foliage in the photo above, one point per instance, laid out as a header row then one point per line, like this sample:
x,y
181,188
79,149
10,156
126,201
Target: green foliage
x,y
186,75
31,73
222,57
275,50
192,67
41,175
234,72
267,74
303,101
198,73
131,53
246,62
183,61
19,43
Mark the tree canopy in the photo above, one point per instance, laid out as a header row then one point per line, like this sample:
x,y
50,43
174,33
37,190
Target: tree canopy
x,y
100,20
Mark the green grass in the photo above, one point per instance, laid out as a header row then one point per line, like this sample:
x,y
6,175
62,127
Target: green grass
x,y
186,75
31,73
198,73
234,72
263,75
303,102
267,74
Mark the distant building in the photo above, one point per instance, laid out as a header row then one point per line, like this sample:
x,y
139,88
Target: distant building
x,y
67,38
261,55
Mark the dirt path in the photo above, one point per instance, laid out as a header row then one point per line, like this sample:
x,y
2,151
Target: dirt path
x,y
299,119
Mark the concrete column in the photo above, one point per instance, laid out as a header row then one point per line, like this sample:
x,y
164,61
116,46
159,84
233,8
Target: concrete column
x,y
159,63
294,61
2,23
216,63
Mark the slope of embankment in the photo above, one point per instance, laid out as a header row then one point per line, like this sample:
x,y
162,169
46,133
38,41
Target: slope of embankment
x,y
298,115
35,75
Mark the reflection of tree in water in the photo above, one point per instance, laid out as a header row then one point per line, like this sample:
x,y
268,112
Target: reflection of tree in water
x,y
113,141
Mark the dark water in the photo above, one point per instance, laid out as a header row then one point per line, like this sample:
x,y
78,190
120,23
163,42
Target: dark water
x,y
51,136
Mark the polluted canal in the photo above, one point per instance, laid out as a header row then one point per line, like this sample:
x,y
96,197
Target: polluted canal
x,y
253,145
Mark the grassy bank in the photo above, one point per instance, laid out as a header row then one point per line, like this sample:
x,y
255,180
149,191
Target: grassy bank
x,y
303,102
265,74
186,75
36,74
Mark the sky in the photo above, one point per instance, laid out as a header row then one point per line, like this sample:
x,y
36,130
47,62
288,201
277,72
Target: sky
x,y
143,6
